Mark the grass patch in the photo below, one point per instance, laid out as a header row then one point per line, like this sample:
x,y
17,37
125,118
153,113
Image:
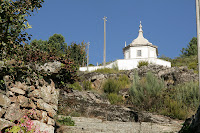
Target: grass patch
x,y
107,70
66,121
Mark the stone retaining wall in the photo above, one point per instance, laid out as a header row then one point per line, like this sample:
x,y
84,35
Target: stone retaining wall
x,y
38,101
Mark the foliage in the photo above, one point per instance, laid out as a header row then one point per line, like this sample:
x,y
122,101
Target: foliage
x,y
87,85
66,121
190,61
77,53
181,101
75,86
146,92
149,93
13,23
115,85
191,48
163,57
142,63
115,98
106,71
56,46
111,86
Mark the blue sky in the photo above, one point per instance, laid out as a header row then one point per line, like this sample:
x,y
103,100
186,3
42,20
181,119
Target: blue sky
x,y
168,24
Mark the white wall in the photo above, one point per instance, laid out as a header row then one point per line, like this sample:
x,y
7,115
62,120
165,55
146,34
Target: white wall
x,y
147,52
128,64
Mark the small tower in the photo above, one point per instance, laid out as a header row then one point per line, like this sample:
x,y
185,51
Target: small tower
x,y
140,48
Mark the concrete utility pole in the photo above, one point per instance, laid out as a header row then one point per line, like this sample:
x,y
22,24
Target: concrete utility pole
x,y
104,55
198,37
88,54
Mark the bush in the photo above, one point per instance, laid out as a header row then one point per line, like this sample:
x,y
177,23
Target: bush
x,y
124,81
115,85
87,85
114,98
66,121
174,109
146,92
142,63
111,86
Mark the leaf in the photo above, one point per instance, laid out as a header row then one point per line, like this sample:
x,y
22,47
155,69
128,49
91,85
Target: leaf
x,y
15,129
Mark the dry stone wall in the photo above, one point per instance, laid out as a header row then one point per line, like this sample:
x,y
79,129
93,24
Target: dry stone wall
x,y
38,101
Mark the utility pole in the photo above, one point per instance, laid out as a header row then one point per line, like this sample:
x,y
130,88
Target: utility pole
x,y
198,37
104,55
88,54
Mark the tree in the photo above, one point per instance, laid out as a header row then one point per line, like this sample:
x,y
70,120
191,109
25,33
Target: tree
x,y
56,44
38,44
77,53
191,48
13,22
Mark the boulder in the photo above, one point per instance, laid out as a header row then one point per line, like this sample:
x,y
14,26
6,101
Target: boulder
x,y
2,111
4,123
17,90
14,112
47,107
4,100
43,127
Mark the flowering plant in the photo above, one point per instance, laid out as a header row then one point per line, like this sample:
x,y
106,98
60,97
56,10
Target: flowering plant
x,y
25,125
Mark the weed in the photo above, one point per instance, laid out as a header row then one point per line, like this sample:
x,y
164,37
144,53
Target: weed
x,y
87,85
66,121
142,63
75,86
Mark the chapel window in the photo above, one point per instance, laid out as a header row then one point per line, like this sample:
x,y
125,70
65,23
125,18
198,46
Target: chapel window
x,y
139,53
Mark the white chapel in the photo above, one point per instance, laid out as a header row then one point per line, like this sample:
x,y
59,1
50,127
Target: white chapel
x,y
140,49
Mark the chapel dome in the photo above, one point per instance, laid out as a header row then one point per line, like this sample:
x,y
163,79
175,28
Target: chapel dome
x,y
140,40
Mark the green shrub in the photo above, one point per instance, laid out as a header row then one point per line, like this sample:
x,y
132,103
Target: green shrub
x,y
188,93
115,85
174,108
111,86
142,63
180,101
114,98
145,93
106,70
124,81
66,121
75,86
87,85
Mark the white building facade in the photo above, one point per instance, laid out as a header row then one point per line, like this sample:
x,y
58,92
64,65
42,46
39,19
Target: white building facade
x,y
140,49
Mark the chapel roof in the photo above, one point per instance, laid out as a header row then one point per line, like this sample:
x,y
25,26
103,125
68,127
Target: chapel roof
x,y
140,40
